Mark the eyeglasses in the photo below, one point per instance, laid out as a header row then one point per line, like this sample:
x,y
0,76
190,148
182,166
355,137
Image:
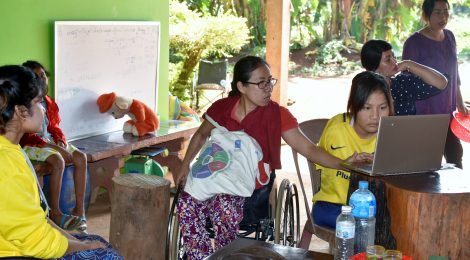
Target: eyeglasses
x,y
265,83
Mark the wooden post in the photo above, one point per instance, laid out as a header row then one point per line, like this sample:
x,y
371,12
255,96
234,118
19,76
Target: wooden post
x,y
139,215
277,46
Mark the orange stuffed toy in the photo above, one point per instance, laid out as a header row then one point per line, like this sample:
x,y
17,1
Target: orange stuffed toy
x,y
143,119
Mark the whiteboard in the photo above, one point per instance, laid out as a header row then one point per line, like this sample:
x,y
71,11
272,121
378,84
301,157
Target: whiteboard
x,y
93,58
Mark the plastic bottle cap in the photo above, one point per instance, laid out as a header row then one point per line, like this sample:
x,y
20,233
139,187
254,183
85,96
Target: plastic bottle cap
x,y
346,208
363,184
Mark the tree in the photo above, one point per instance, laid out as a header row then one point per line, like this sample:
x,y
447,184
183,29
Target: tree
x,y
193,36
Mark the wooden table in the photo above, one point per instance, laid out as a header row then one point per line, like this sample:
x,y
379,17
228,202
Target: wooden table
x,y
426,213
243,248
105,153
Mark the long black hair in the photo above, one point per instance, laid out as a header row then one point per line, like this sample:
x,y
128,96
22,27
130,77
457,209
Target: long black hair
x,y
35,65
32,64
18,87
363,85
243,70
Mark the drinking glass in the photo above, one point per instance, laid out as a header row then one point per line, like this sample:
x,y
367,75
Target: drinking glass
x,y
374,252
392,255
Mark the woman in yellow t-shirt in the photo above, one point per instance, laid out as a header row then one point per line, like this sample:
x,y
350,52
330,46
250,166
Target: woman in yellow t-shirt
x,y
347,133
25,229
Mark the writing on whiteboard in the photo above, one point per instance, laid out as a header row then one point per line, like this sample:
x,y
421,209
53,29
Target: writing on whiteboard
x,y
92,58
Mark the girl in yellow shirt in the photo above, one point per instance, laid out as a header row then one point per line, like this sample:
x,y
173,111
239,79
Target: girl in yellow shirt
x,y
345,134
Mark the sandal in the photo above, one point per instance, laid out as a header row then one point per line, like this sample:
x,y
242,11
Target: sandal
x,y
82,227
69,222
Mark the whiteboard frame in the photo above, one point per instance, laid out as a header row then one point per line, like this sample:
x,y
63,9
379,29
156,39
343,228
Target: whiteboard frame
x,y
106,117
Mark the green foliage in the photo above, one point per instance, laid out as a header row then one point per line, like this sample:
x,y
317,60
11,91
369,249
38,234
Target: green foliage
x,y
259,51
331,70
208,7
461,7
331,52
392,21
193,37
304,30
252,10
256,21
331,60
316,22
459,26
465,53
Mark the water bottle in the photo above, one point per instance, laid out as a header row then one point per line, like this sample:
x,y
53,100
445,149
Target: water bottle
x,y
364,208
344,234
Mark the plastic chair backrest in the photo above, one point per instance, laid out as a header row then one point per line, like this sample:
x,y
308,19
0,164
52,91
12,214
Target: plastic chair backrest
x,y
212,72
313,130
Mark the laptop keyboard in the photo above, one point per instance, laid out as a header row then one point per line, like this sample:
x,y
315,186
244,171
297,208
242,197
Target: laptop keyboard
x,y
366,167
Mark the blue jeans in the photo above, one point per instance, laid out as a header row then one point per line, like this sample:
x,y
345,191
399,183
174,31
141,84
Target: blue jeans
x,y
325,213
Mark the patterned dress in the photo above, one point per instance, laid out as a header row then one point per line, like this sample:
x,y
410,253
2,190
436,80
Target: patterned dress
x,y
406,90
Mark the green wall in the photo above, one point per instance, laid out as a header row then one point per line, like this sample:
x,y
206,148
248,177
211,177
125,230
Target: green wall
x,y
27,29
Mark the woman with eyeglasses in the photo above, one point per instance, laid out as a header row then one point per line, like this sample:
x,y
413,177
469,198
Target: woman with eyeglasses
x,y
249,108
435,46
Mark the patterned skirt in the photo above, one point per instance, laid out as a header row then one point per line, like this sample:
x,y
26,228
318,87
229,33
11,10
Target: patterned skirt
x,y
107,253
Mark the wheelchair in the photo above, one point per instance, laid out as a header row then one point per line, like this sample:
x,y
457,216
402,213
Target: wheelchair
x,y
283,228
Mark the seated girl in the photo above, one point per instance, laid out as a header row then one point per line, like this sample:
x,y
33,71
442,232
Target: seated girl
x,y
248,107
25,229
345,134
49,145
420,82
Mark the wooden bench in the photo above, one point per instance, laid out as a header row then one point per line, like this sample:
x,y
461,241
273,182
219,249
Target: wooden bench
x,y
106,152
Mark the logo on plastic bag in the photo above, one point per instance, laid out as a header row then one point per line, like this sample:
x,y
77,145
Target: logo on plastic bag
x,y
211,160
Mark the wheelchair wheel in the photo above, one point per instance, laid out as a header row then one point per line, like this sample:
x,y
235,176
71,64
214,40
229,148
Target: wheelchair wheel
x,y
174,246
287,219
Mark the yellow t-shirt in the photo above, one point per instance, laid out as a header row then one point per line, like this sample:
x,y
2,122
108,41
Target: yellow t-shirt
x,y
24,230
341,140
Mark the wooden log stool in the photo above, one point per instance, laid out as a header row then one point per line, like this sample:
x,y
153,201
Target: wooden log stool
x,y
139,211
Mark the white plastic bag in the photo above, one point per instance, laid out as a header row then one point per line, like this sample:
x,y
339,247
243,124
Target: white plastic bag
x,y
227,163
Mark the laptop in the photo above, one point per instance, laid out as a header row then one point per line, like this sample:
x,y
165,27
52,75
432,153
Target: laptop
x,y
407,144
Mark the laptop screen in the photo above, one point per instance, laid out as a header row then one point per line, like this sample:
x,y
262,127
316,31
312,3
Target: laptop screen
x,y
407,144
